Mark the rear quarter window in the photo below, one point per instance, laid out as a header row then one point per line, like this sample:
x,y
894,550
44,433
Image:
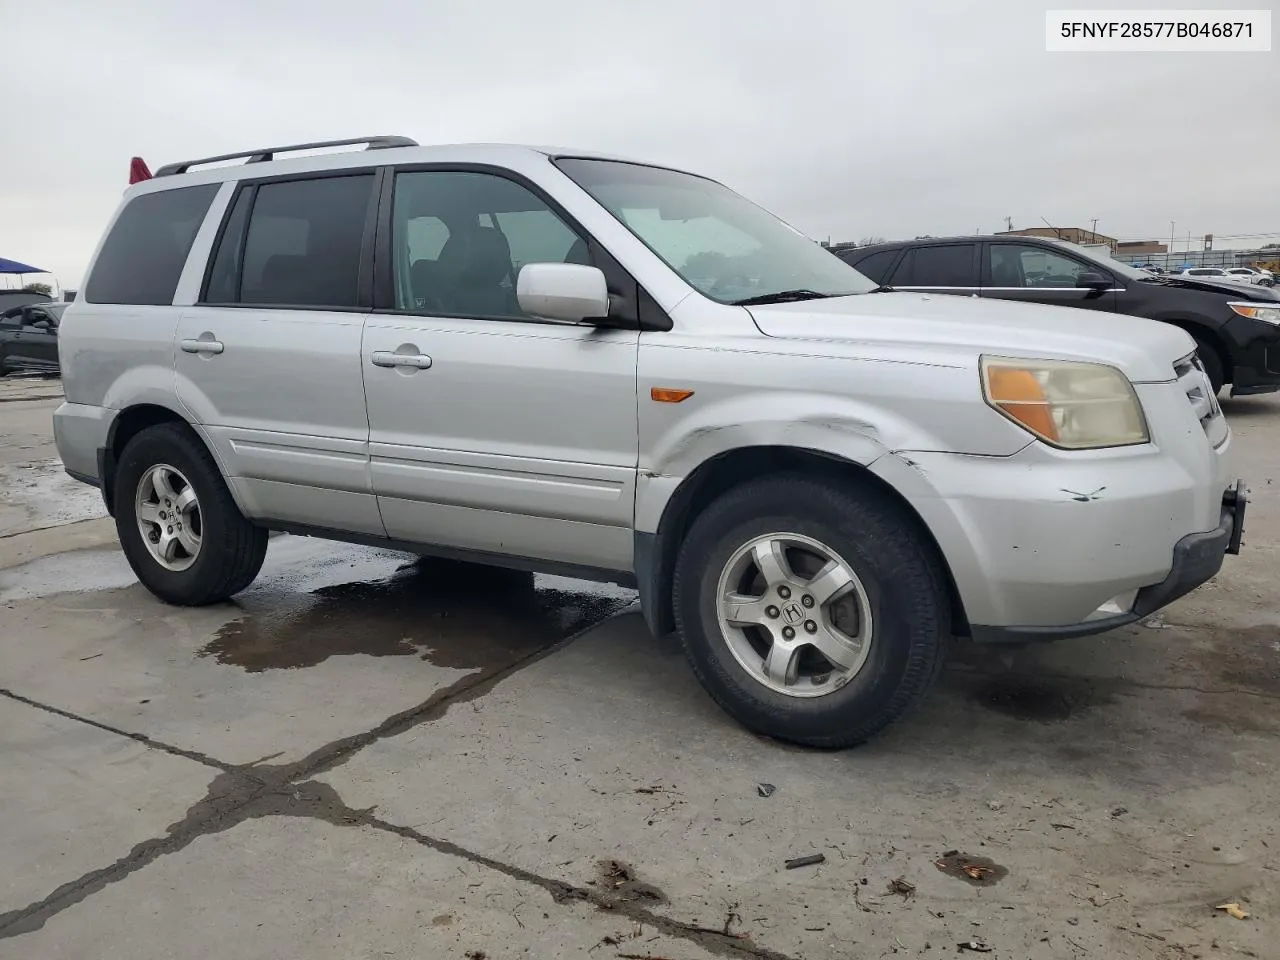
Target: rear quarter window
x,y
144,254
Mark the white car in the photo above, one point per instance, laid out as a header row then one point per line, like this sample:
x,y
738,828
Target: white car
x,y
1213,273
1253,275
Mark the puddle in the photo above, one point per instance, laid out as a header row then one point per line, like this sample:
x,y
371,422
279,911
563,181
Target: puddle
x,y
1030,698
975,871
452,614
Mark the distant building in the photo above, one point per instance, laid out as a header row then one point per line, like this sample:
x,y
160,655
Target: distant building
x,y
1140,248
1070,234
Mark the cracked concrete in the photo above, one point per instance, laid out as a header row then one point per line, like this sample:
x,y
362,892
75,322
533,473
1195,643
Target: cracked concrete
x,y
365,757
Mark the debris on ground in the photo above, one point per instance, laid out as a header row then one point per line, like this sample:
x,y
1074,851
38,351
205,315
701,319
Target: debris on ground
x,y
1155,623
994,805
620,882
901,887
765,789
1119,811
808,861
979,871
1233,910
973,946
476,955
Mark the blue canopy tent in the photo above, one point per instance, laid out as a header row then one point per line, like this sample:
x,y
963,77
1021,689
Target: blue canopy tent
x,y
14,267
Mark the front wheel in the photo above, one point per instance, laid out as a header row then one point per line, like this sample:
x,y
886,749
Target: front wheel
x,y
1212,363
180,530
811,611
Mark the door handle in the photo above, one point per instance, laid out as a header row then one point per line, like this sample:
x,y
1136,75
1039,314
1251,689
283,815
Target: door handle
x,y
388,358
201,346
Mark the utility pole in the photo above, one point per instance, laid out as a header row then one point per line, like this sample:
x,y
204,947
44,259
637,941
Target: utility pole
x,y
1093,232
1171,225
1008,222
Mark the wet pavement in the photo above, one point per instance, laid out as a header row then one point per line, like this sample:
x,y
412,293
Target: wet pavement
x,y
371,755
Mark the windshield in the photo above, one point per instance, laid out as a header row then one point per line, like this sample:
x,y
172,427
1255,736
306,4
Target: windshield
x,y
721,244
1115,266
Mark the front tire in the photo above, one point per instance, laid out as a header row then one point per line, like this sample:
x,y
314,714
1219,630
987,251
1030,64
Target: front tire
x,y
180,530
812,611
1213,365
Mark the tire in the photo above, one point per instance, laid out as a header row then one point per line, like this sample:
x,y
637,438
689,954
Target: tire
x,y
228,549
899,584
1213,366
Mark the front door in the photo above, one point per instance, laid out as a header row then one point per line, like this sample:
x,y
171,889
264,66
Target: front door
x,y
1034,273
491,431
268,360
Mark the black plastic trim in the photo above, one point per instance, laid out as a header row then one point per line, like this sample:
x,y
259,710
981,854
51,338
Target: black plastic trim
x,y
655,603
1197,557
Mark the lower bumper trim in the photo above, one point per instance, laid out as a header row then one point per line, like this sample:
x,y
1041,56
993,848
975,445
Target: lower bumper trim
x,y
1197,557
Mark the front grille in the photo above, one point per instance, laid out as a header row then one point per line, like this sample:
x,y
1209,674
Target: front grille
x,y
1195,384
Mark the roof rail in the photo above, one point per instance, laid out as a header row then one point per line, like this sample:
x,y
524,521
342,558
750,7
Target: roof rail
x,y
264,154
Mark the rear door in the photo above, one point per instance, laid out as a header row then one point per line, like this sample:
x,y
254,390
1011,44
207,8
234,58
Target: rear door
x,y
1040,273
939,268
268,359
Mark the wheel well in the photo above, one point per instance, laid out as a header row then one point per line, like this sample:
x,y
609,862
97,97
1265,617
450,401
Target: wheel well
x,y
127,425
720,474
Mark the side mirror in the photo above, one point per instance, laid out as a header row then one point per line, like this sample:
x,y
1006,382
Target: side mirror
x,y
1093,281
569,292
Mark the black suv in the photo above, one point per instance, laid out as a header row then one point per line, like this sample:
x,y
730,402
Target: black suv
x,y
1236,326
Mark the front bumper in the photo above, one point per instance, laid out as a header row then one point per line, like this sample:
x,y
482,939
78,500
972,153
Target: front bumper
x,y
1197,557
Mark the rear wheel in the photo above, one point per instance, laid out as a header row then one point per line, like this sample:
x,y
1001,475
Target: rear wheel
x,y
178,526
1212,363
812,612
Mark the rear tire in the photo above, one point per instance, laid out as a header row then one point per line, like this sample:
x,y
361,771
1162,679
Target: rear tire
x,y
1213,365
181,532
895,595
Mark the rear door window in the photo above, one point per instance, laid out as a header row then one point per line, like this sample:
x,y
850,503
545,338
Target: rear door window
x,y
143,256
293,243
950,265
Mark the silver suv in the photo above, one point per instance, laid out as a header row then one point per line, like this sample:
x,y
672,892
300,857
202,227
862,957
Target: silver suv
x,y
615,370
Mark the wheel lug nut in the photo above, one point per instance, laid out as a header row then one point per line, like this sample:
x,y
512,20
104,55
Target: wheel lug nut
x,y
807,600
772,612
169,529
784,592
810,626
789,633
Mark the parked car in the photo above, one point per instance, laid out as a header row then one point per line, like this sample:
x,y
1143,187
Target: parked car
x,y
585,365
1213,273
1236,326
1253,275
29,338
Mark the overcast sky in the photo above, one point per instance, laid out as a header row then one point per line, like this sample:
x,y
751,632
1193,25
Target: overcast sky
x,y
849,119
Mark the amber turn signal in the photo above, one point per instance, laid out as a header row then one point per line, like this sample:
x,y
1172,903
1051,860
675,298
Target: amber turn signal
x,y
669,394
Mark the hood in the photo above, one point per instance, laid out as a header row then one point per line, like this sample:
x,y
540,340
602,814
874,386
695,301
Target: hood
x,y
1233,289
945,326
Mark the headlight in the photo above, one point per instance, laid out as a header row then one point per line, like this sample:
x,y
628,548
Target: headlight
x,y
1255,311
1078,406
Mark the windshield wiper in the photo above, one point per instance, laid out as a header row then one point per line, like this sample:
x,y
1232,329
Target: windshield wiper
x,y
883,288
782,296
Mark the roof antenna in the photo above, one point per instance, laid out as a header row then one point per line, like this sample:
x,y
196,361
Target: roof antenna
x,y
1056,231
